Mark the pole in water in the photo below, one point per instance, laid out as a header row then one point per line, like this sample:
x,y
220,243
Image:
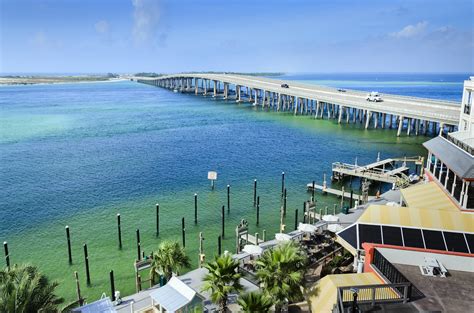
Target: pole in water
x,y
68,238
254,192
119,231
258,210
223,225
296,219
282,183
195,208
284,202
219,245
86,261
228,198
78,289
7,255
312,192
112,285
138,245
183,232
304,212
157,220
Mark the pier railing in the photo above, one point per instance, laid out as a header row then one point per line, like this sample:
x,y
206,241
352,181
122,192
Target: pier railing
x,y
372,294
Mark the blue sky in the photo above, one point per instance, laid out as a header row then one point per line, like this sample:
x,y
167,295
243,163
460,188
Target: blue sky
x,y
66,36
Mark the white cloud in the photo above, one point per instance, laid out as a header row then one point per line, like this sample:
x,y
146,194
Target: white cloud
x,y
411,31
146,16
101,27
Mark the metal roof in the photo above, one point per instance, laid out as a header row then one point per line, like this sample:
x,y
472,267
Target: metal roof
x,y
428,196
174,295
456,159
103,305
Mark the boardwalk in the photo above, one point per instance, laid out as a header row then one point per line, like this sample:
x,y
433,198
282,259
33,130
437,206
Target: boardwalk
x,y
413,115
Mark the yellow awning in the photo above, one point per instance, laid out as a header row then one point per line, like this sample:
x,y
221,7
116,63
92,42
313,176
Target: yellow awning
x,y
324,293
456,221
428,196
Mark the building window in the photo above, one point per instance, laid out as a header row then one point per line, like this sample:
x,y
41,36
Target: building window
x,y
455,242
392,235
434,240
413,238
369,233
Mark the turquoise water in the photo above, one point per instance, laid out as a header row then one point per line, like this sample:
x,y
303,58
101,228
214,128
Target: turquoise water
x,y
78,154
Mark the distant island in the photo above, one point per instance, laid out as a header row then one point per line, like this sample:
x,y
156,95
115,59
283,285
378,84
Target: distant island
x,y
53,79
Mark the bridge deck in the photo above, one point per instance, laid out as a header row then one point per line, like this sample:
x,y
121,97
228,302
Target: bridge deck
x,y
409,107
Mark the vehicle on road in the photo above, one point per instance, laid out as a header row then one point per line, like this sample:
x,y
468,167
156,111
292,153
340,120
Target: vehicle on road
x,y
341,90
374,96
284,86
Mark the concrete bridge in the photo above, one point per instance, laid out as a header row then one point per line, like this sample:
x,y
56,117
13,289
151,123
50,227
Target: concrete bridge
x,y
410,114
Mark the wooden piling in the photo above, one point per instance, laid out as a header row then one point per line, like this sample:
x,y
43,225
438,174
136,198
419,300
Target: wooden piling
x,y
222,222
228,198
68,238
284,202
258,210
86,261
304,212
296,219
195,208
183,232
219,245
157,219
119,231
7,255
254,192
312,192
112,285
139,255
78,290
282,183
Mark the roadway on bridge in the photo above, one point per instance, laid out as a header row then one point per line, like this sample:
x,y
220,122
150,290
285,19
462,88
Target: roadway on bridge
x,y
411,107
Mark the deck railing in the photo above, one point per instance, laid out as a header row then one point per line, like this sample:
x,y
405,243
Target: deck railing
x,y
373,294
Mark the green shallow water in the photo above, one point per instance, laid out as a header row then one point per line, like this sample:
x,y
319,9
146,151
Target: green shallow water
x,y
79,154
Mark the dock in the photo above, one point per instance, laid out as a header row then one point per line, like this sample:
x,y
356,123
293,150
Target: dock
x,y
251,239
336,192
382,170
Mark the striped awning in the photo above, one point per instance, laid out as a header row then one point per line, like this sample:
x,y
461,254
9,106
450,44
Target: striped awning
x,y
445,220
428,196
324,294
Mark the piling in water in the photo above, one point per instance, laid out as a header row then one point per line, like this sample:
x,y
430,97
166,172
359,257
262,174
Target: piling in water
x,y
254,192
228,198
282,183
296,219
219,245
195,208
112,285
139,255
86,261
7,255
119,231
223,225
258,210
284,202
183,232
68,238
157,220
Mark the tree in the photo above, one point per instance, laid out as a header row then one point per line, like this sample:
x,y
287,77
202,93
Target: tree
x,y
222,279
281,273
168,259
255,302
24,289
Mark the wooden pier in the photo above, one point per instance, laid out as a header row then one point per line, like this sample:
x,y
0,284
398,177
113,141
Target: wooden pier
x,y
337,192
250,239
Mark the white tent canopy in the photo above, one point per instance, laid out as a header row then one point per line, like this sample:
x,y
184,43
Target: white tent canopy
x,y
174,295
335,228
307,228
330,218
282,237
252,249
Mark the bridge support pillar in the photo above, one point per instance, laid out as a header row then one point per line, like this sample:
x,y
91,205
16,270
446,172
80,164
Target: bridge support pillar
x,y
367,121
256,97
295,105
376,123
215,89
441,129
400,126
278,102
196,86
417,127
340,115
409,121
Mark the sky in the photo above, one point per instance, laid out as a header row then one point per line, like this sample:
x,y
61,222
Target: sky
x,y
129,36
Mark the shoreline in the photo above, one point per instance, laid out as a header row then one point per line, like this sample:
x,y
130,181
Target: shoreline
x,y
43,80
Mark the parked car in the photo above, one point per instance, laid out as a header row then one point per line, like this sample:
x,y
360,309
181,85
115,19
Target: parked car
x,y
374,97
285,86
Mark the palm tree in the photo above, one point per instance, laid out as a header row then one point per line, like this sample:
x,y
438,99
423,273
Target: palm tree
x,y
255,302
281,273
168,259
222,279
24,289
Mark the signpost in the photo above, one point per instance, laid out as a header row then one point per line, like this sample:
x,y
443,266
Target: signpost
x,y
212,176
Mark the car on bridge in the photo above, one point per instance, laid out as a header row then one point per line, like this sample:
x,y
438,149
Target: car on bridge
x,y
374,96
341,90
284,86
